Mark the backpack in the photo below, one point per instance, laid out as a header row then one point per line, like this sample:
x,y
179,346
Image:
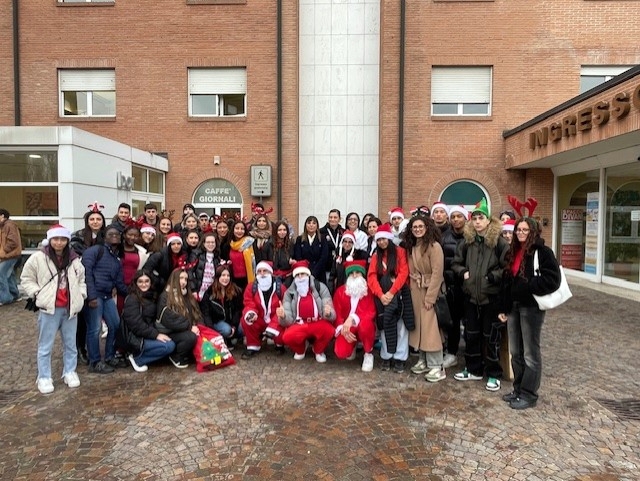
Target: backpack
x,y
278,287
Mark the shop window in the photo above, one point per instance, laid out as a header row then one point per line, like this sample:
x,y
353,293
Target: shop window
x,y
461,91
87,93
593,75
217,92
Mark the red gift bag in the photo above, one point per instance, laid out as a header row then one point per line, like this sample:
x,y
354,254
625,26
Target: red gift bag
x,y
210,351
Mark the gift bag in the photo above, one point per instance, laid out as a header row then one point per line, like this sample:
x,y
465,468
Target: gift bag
x,y
210,351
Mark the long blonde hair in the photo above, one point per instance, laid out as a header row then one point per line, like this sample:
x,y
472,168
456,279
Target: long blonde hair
x,y
185,305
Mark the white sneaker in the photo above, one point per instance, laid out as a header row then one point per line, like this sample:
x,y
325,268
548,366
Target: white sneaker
x,y
71,379
105,330
136,368
45,385
450,360
367,363
321,358
352,356
299,357
436,374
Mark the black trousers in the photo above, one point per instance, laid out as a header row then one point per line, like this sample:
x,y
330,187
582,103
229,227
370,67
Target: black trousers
x,y
482,336
185,342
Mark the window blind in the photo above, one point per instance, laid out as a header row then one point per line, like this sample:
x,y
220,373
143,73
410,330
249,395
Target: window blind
x,y
468,85
217,81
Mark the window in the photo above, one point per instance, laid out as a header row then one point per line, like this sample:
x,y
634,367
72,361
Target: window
x,y
147,180
464,91
464,192
217,92
87,93
594,75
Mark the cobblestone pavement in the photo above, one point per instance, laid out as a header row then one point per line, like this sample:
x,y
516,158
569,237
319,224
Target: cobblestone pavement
x,y
272,418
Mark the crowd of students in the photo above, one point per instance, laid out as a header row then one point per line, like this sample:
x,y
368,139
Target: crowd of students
x,y
252,281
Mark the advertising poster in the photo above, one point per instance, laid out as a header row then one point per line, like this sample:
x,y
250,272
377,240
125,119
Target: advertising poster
x,y
572,233
591,239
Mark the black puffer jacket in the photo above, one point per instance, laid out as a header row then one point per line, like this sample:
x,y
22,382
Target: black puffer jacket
x,y
450,241
520,288
171,320
141,317
215,310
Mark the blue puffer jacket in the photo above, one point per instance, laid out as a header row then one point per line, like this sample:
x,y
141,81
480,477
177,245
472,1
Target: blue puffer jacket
x,y
103,272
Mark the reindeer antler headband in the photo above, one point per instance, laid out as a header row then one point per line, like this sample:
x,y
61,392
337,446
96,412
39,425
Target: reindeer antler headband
x,y
95,207
256,209
531,204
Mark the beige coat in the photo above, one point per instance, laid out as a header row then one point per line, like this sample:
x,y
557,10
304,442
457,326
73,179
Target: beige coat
x,y
426,277
38,271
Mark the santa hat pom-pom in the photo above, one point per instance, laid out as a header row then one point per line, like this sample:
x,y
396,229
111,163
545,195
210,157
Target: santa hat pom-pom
x,y
349,258
45,242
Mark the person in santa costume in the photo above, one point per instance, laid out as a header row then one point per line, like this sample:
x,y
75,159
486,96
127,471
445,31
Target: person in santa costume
x,y
307,313
259,319
398,223
346,252
355,315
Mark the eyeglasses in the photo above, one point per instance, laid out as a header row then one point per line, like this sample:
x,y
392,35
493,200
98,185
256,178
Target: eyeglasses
x,y
522,231
419,227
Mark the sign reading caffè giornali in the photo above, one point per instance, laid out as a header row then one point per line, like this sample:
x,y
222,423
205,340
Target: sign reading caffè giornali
x,y
596,115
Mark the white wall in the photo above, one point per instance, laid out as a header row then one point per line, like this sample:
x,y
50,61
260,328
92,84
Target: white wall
x,y
339,108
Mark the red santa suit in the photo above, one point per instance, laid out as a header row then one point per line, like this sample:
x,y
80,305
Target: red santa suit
x,y
264,305
362,311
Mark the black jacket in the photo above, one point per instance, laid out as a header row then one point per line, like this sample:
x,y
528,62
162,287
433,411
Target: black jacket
x,y
141,317
197,272
450,241
317,254
214,310
171,320
520,288
333,248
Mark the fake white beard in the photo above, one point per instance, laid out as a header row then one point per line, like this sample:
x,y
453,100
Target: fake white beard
x,y
356,287
264,282
302,286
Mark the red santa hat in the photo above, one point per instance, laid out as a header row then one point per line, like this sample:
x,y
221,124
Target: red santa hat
x,y
355,266
396,212
509,225
148,229
268,265
349,235
384,232
56,230
440,205
459,208
173,237
301,267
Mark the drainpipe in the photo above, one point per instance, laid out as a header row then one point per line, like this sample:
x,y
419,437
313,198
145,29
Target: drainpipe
x,y
401,104
16,65
279,108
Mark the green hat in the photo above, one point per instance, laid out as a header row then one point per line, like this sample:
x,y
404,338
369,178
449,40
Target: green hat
x,y
481,207
352,266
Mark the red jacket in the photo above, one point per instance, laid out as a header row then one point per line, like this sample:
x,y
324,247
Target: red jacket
x,y
366,309
402,272
252,300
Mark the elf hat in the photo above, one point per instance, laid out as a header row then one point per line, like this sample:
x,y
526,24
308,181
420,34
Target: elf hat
x,y
482,208
384,232
355,266
396,212
509,225
173,237
440,205
301,267
268,265
461,209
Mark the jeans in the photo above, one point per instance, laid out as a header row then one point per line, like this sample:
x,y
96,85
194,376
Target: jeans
x,y
8,284
223,328
402,348
524,326
152,350
48,326
483,328
106,309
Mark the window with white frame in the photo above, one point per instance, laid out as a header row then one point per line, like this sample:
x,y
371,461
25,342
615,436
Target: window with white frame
x,y
218,92
464,91
147,180
594,75
87,93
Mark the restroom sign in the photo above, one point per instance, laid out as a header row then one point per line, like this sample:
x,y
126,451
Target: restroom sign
x,y
261,180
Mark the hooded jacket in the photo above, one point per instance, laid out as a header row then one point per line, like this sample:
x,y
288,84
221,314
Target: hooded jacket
x,y
484,258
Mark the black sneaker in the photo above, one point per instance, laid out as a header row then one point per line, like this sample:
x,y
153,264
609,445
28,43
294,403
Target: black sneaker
x,y
82,356
386,365
280,350
520,403
399,366
180,364
249,353
117,362
100,368
512,396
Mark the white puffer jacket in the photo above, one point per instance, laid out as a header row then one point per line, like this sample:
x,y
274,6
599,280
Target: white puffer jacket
x,y
37,273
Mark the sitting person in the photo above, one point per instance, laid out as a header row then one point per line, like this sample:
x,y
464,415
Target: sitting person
x,y
355,315
307,313
221,306
347,252
261,300
178,317
139,314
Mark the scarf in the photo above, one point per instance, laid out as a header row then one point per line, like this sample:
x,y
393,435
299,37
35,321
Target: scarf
x,y
245,246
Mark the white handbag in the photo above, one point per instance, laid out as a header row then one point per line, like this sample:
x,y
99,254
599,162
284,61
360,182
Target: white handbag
x,y
556,298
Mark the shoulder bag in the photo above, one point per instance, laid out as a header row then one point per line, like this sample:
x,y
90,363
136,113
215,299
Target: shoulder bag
x,y
442,311
161,328
556,298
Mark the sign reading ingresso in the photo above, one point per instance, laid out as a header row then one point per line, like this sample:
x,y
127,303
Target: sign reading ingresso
x,y
217,191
